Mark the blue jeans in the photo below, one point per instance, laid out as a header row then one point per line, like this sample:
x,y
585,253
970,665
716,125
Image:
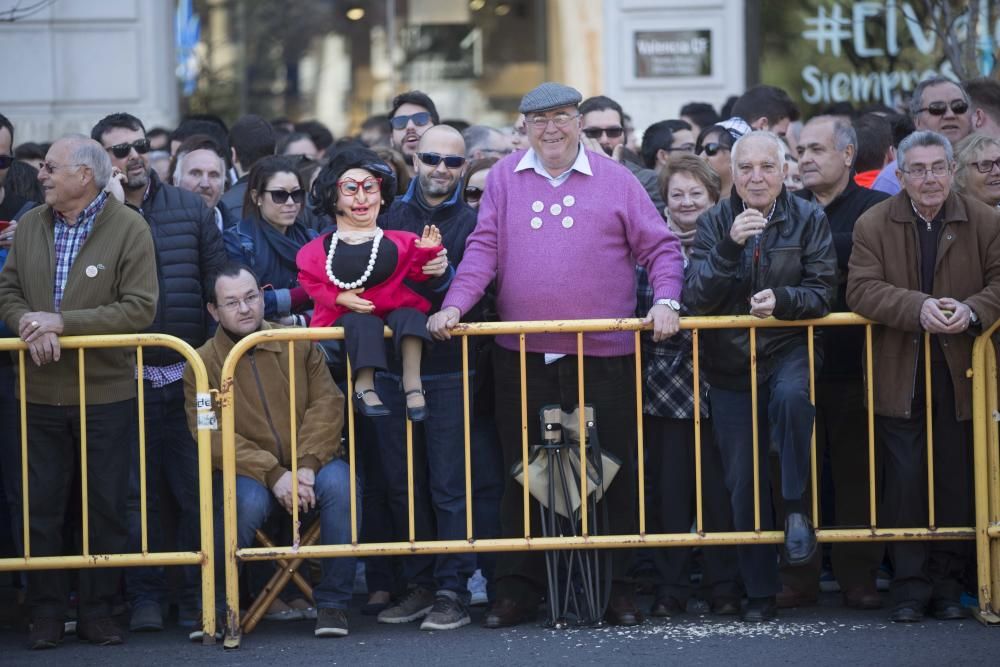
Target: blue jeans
x,y
442,482
171,464
784,416
256,504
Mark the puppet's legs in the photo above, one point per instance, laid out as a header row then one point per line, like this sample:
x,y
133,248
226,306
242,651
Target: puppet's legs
x,y
411,349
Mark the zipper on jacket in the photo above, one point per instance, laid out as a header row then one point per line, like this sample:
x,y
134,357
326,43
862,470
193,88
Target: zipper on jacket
x,y
267,411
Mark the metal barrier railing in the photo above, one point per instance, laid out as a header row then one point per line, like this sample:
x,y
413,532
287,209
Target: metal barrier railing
x,y
204,558
986,413
872,532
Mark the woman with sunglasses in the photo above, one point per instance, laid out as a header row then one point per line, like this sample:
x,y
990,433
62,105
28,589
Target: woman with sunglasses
x,y
475,180
355,276
978,172
714,145
271,235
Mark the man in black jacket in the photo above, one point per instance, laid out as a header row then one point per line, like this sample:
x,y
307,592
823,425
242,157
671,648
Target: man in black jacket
x,y
188,250
827,149
765,253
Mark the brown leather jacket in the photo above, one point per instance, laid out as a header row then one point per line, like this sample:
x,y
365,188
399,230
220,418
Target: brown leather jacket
x,y
263,425
883,284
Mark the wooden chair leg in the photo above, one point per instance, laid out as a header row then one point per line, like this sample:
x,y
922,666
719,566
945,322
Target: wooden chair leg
x,y
286,570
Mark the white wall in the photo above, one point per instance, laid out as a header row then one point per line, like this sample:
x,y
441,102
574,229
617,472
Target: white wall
x,y
651,100
78,60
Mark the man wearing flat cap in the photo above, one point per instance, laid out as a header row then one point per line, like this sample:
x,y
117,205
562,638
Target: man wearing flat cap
x,y
560,229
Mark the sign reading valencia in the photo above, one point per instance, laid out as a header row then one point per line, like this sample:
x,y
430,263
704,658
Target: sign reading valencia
x,y
672,53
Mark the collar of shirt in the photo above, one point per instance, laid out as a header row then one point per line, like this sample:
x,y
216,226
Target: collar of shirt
x,y
88,214
530,161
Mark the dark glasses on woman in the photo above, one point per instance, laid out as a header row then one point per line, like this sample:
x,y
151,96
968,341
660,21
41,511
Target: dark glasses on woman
x,y
711,150
281,196
434,159
419,119
349,187
120,151
473,194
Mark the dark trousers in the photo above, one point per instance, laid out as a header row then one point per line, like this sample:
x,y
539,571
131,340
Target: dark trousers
x,y
439,497
378,521
785,417
610,388
926,571
171,465
671,447
11,533
53,463
842,429
363,335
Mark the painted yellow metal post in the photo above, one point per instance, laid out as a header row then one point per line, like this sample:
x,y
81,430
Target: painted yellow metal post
x,y
467,431
84,496
141,400
698,502
640,450
753,422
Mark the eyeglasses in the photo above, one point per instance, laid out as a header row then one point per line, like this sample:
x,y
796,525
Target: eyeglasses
x,y
941,108
920,173
250,301
683,148
711,150
473,194
349,187
281,196
596,132
986,166
419,119
6,161
434,159
120,151
540,123
52,168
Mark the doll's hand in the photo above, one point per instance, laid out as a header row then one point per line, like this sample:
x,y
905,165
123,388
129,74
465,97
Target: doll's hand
x,y
351,300
430,238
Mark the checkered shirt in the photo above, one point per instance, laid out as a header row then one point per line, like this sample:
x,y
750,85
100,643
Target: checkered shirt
x,y
68,241
667,366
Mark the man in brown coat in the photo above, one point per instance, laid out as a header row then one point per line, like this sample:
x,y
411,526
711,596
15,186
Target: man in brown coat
x,y
263,445
82,264
927,260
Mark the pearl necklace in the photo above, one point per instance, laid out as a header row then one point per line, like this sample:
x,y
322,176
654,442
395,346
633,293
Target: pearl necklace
x,y
368,271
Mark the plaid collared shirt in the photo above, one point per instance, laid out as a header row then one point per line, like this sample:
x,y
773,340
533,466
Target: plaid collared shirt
x,y
667,366
68,241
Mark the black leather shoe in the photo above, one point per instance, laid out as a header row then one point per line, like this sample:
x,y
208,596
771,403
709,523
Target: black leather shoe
x,y
800,539
100,631
666,607
369,410
45,633
420,413
725,606
948,610
622,611
907,612
507,612
759,610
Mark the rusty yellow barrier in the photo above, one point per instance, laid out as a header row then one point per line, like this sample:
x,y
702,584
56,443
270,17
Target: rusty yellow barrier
x,y
987,503
986,413
204,558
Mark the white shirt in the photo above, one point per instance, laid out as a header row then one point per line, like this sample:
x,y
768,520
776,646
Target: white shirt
x,y
530,161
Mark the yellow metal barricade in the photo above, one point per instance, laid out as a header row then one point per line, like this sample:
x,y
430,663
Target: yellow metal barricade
x,y
871,532
986,414
204,558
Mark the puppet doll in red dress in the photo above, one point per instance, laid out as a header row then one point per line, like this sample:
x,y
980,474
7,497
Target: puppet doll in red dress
x,y
355,276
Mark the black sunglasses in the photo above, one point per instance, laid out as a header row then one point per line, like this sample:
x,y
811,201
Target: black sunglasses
x,y
711,150
120,151
596,132
941,108
473,194
6,161
281,196
419,119
434,159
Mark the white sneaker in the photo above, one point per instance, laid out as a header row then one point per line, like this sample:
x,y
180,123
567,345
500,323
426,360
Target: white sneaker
x,y
477,587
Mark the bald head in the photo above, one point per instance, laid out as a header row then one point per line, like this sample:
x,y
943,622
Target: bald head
x,y
438,146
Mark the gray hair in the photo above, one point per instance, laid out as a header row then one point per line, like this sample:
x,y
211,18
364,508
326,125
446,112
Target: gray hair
x,y
179,166
478,136
969,150
918,92
923,139
89,153
771,137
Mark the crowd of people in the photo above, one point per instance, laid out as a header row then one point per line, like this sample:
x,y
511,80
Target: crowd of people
x,y
210,233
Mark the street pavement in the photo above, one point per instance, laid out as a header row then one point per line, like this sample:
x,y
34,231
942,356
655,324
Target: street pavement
x,y
826,634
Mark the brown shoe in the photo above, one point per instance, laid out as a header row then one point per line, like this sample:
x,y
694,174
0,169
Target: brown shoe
x,y
863,597
45,633
507,612
100,631
622,611
790,597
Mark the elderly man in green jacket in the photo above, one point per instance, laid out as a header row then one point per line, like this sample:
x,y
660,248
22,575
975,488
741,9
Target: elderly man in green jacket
x,y
80,265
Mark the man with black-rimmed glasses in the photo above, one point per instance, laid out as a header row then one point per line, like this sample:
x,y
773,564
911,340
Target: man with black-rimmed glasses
x,y
188,249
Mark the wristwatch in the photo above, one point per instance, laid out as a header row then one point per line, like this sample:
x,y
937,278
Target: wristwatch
x,y
669,303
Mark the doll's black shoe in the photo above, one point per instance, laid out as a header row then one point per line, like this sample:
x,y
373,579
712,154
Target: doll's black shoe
x,y
420,413
369,410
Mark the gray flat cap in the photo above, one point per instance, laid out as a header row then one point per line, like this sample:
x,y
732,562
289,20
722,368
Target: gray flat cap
x,y
549,95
